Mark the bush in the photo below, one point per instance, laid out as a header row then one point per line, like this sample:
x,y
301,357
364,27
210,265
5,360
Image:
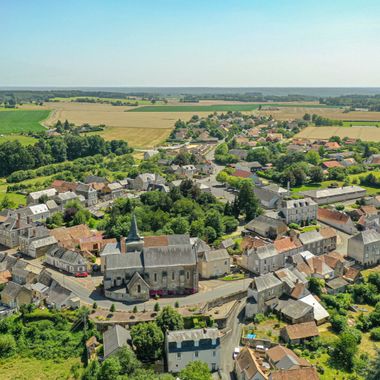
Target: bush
x,y
375,334
259,318
7,345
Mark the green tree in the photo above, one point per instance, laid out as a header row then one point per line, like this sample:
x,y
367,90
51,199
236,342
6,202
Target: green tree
x,y
113,308
196,370
316,285
316,174
128,360
374,367
214,219
7,345
169,319
312,157
247,201
343,354
110,369
148,339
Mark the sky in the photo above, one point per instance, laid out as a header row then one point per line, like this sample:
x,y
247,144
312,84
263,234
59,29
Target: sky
x,y
211,43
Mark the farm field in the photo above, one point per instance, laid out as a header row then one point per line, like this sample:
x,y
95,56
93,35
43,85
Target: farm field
x,y
24,140
365,133
18,121
355,123
291,112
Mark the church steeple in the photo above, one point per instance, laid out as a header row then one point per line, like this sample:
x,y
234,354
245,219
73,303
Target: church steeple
x,y
133,231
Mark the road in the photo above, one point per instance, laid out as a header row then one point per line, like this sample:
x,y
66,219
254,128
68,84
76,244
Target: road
x,y
232,339
89,296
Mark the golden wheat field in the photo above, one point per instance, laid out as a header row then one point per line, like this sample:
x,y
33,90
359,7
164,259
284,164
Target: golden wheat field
x,y
288,113
140,129
365,133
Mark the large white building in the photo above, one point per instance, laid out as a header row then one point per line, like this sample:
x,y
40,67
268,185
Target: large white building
x,y
184,346
299,210
338,194
365,247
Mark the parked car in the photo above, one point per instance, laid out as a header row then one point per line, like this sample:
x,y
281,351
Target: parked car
x,y
81,274
236,352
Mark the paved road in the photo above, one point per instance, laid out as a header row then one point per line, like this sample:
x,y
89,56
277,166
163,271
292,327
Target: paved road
x,y
232,339
89,296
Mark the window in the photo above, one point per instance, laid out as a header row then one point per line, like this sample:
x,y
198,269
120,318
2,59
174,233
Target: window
x,y
196,354
178,355
188,275
214,354
138,288
155,277
173,275
213,365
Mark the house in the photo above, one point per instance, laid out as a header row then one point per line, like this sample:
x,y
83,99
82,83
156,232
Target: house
x,y
267,227
95,179
263,260
62,258
336,219
287,246
115,338
15,295
332,145
309,373
142,181
59,297
112,190
331,164
62,199
89,193
374,159
299,210
33,213
270,196
352,275
137,268
227,243
336,285
261,291
319,242
39,291
150,153
298,333
240,153
364,247
37,196
36,245
281,357
247,366
347,162
294,311
334,195
187,171
320,313
274,137
336,262
64,186
25,273
11,230
214,263
185,346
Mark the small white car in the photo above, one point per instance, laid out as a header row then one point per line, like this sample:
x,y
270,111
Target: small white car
x,y
236,352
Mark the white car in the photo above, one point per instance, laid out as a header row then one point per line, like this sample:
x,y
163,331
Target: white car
x,y
236,352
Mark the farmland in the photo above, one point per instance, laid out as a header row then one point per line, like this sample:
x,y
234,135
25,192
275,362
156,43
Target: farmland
x,y
365,133
19,121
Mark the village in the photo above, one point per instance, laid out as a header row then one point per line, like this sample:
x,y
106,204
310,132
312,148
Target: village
x,y
304,246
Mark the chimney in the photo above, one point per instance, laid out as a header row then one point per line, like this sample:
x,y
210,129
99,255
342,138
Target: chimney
x,y
123,248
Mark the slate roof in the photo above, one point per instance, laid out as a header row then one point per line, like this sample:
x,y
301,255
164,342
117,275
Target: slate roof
x,y
215,255
337,283
67,256
277,353
58,294
11,289
192,334
293,309
367,237
114,338
124,261
266,281
38,194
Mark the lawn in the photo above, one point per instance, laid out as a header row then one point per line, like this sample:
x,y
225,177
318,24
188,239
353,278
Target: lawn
x,y
33,369
24,140
219,107
18,121
314,186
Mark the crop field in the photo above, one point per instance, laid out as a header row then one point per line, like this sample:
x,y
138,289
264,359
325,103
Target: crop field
x,y
355,123
24,140
18,121
195,107
365,133
291,112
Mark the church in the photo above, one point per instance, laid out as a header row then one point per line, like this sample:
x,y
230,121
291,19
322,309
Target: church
x,y
137,268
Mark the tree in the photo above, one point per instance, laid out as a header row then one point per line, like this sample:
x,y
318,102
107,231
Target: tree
x,y
196,370
316,285
113,308
338,323
374,368
316,174
110,369
7,345
247,201
169,319
156,306
344,352
148,339
214,219
127,360
92,371
312,157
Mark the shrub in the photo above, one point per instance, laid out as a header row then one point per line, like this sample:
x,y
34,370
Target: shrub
x,y
375,334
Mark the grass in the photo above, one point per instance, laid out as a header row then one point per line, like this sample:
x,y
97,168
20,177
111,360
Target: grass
x,y
234,277
22,121
24,140
218,107
350,123
314,186
34,369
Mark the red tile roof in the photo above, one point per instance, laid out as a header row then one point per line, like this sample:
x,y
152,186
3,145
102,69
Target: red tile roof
x,y
332,164
301,330
325,214
286,244
309,373
241,174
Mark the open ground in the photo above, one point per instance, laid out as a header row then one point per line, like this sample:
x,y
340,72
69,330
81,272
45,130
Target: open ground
x,y
18,121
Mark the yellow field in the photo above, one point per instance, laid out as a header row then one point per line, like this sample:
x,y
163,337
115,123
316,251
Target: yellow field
x,y
141,130
364,133
288,113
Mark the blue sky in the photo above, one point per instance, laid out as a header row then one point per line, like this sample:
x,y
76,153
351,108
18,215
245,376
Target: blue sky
x,y
190,43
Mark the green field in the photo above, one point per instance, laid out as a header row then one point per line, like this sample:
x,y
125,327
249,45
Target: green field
x,y
220,107
24,140
103,100
22,121
350,123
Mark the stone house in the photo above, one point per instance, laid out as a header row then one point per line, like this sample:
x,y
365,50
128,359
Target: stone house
x,y
185,346
14,295
319,242
115,338
67,260
299,210
214,263
10,231
266,226
365,248
298,333
338,220
262,260
36,196
88,192
247,366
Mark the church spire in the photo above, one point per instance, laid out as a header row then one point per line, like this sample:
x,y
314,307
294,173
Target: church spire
x,y
134,231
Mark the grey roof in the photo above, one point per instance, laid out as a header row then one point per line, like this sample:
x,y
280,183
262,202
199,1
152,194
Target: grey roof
x,y
95,178
67,256
111,249
266,281
51,204
38,194
43,242
39,287
264,252
299,203
219,254
367,237
265,194
58,294
337,283
263,221
84,188
66,196
11,289
114,338
227,243
324,193
115,186
293,309
193,334
310,237
128,260
133,234
199,245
